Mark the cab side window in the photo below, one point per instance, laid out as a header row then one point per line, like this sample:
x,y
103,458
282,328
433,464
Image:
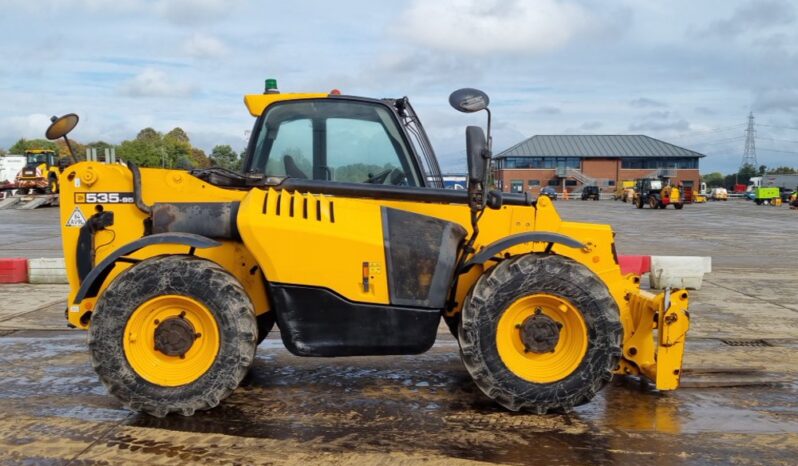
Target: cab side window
x,y
334,140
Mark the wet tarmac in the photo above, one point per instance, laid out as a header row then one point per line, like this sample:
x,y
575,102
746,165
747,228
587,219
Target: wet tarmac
x,y
739,404
292,410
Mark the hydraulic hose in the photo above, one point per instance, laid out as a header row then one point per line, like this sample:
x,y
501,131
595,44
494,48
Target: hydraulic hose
x,y
137,189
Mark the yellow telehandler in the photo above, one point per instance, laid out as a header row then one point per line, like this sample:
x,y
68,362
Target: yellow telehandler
x,y
338,229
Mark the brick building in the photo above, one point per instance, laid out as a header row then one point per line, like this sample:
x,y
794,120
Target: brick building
x,y
572,161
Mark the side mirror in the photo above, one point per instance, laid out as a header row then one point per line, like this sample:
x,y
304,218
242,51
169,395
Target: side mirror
x,y
61,126
477,154
468,100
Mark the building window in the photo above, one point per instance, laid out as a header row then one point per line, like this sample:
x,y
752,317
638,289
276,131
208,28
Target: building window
x,y
540,162
610,182
532,183
570,182
554,182
653,163
516,186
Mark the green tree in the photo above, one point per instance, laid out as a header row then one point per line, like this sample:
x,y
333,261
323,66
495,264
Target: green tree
x,y
713,180
762,170
199,159
177,134
743,176
178,149
783,171
3,152
22,145
142,152
224,156
148,134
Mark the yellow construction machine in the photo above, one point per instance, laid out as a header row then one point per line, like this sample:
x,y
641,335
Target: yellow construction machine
x,y
338,228
40,175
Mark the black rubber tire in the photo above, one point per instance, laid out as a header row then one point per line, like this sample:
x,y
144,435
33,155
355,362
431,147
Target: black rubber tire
x,y
52,186
653,202
639,203
203,280
265,325
524,275
678,206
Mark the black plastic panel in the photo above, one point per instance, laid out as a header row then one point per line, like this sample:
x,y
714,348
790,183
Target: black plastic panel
x,y
317,322
421,254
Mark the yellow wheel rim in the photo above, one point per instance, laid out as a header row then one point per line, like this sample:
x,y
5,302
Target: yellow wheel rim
x,y
158,367
542,367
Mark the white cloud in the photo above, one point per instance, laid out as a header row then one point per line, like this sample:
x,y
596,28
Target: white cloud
x,y
155,83
481,27
204,46
25,126
193,12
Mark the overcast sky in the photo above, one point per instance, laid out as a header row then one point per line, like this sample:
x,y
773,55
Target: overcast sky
x,y
686,72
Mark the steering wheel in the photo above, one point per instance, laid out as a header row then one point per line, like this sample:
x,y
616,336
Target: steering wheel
x,y
380,177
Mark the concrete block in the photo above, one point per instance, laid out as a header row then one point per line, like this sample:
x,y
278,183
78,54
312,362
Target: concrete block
x,y
47,270
13,270
637,265
679,271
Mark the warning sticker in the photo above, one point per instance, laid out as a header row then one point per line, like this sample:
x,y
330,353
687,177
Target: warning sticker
x,y
76,219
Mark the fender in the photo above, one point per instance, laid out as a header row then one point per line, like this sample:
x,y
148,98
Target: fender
x,y
91,284
519,238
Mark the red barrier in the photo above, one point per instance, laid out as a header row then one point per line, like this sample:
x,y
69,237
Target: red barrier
x,y
635,264
13,270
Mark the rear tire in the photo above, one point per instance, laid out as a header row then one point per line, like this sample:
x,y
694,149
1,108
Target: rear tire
x,y
678,206
116,349
52,186
498,292
653,202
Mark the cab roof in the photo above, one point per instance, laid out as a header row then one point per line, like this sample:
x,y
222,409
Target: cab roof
x,y
257,103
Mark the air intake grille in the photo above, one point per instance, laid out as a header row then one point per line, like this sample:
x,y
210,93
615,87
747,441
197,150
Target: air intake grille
x,y
296,205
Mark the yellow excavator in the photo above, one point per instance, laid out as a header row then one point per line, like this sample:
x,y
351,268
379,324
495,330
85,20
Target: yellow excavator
x,y
339,230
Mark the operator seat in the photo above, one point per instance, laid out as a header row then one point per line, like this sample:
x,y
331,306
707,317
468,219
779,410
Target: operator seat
x,y
291,169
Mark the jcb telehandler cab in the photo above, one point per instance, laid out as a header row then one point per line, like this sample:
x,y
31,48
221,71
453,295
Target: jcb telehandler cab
x,y
339,230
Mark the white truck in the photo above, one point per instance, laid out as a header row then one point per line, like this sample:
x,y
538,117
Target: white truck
x,y
779,181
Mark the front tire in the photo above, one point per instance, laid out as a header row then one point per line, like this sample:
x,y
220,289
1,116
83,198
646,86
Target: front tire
x,y
173,334
540,291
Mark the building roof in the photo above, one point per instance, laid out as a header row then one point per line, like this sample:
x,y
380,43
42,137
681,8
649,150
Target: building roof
x,y
632,145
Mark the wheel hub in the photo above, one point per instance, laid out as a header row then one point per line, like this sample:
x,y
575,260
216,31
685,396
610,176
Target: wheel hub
x,y
540,333
175,336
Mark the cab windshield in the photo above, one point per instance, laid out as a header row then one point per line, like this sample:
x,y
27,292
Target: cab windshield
x,y
37,158
656,184
333,140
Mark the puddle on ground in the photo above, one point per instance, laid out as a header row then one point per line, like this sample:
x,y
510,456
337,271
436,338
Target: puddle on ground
x,y
425,403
